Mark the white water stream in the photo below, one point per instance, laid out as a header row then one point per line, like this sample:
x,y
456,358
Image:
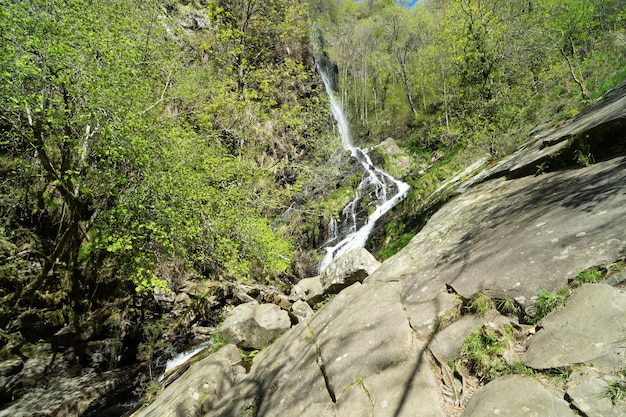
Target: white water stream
x,y
387,191
182,357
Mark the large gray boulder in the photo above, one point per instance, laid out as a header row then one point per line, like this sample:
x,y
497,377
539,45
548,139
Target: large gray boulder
x,y
198,389
348,360
349,268
590,328
254,326
301,311
516,396
587,390
307,289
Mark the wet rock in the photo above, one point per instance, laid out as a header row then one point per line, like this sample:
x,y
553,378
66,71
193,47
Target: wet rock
x,y
254,325
349,268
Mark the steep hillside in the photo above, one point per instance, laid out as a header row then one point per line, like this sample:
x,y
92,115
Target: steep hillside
x,y
151,152
510,301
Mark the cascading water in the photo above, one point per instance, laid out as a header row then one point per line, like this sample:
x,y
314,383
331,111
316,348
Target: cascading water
x,y
384,191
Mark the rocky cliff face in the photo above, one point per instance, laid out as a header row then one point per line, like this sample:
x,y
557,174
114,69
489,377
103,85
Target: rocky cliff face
x,y
508,302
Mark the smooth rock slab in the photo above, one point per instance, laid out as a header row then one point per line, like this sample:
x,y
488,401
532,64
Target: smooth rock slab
x,y
362,331
512,238
405,390
254,326
209,379
516,396
589,328
285,380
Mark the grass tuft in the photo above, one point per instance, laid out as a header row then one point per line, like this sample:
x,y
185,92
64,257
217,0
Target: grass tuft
x,y
546,302
591,275
480,303
482,352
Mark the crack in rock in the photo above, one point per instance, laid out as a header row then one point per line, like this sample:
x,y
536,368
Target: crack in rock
x,y
369,397
322,366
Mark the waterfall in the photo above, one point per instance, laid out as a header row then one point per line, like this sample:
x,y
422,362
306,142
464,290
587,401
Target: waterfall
x,y
384,190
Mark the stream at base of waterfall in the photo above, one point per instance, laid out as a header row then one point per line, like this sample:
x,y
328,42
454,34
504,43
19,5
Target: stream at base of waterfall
x,y
384,191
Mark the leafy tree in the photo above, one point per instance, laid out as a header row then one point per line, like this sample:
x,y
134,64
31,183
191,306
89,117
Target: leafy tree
x,y
126,156
77,78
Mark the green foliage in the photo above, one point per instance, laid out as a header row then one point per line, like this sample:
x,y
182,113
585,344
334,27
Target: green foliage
x,y
359,381
325,299
395,246
479,74
136,169
616,391
617,267
518,368
480,303
249,409
217,342
546,302
606,85
483,350
588,276
247,357
154,342
506,305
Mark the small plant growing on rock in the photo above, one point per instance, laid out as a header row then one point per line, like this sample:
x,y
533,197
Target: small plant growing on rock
x,y
448,317
483,350
359,381
588,276
518,368
249,409
480,303
506,306
217,342
325,299
546,302
617,267
616,390
247,358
